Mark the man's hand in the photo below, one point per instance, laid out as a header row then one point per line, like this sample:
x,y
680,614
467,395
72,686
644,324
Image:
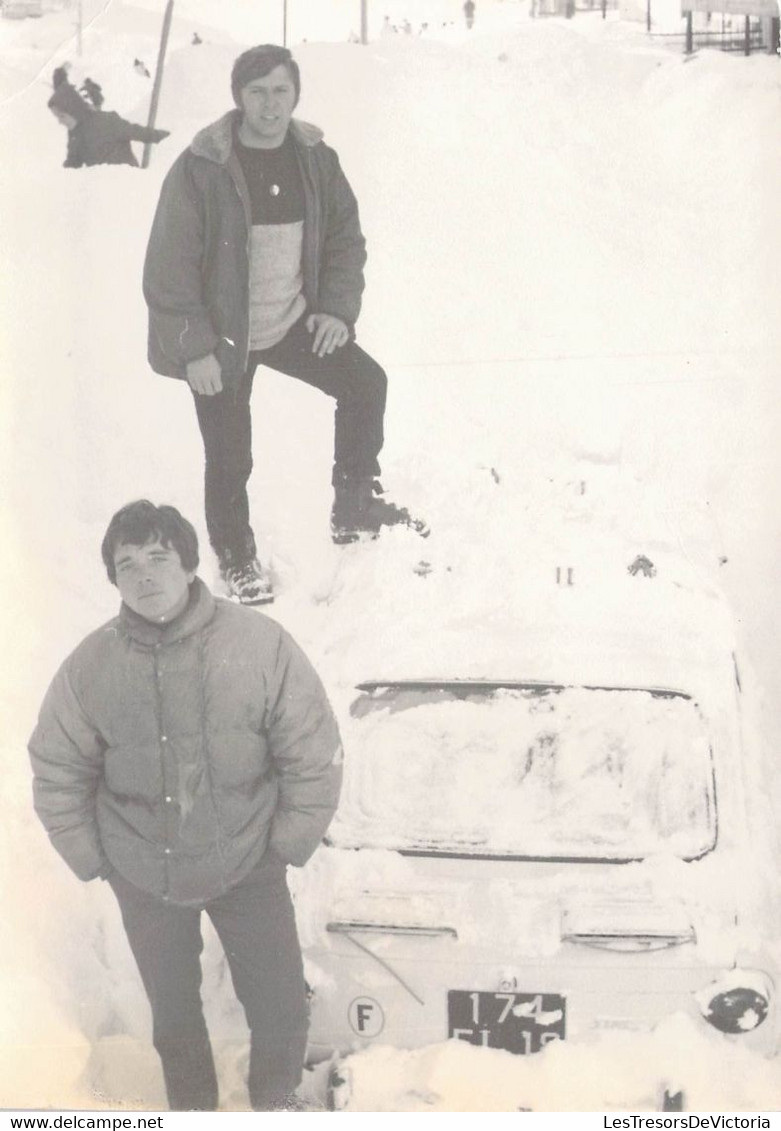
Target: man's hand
x,y
330,332
205,375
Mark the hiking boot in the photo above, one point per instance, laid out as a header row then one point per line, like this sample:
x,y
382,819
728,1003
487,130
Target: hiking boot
x,y
248,584
359,510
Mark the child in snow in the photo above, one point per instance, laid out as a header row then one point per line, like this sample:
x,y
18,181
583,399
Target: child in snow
x,y
95,137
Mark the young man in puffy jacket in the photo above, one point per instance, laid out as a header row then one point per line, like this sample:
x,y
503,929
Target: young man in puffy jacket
x,y
187,754
96,137
256,257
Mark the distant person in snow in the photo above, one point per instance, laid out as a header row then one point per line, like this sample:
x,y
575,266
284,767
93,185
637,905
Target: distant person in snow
x,y
96,137
93,91
262,180
186,753
469,12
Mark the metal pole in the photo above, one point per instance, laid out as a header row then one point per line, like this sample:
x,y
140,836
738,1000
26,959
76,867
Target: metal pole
x,y
284,23
169,11
689,34
747,49
364,21
648,15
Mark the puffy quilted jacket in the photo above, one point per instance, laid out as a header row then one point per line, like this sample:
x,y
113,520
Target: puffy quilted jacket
x,y
177,753
196,273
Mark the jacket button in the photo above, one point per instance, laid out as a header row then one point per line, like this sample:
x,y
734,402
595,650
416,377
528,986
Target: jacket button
x,y
167,851
168,800
164,738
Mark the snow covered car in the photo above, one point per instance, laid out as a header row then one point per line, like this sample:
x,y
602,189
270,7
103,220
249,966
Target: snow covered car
x,y
539,857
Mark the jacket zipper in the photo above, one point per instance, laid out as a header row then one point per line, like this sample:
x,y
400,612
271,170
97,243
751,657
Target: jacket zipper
x,y
247,210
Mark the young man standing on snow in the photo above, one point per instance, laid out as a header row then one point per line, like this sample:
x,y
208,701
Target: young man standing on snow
x,y
256,258
186,753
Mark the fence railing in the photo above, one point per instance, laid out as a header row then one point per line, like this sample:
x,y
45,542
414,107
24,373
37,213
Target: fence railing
x,y
722,40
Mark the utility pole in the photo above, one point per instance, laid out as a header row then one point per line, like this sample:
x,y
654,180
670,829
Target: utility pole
x,y
364,21
169,11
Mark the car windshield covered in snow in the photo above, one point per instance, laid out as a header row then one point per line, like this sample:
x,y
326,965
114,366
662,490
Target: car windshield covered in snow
x,y
527,770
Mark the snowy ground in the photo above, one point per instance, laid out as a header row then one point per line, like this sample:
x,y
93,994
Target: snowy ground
x,y
573,274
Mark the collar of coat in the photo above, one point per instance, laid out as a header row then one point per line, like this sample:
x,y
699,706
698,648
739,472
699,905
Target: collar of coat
x,y
215,142
199,611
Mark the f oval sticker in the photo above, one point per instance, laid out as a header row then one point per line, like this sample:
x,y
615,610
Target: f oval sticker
x,y
366,1017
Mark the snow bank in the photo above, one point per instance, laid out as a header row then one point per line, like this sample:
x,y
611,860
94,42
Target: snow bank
x,y
622,1072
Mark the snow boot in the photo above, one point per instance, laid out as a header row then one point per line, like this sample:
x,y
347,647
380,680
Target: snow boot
x,y
289,1103
249,584
359,510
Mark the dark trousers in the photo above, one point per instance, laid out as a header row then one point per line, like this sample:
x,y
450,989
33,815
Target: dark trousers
x,y
349,375
256,925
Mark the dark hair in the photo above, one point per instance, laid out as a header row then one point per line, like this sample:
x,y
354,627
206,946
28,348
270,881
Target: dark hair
x,y
141,522
260,61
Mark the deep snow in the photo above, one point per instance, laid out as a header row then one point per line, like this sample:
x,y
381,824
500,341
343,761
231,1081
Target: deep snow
x,y
572,278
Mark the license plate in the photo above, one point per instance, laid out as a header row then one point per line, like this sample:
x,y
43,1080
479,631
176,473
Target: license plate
x,y
519,1023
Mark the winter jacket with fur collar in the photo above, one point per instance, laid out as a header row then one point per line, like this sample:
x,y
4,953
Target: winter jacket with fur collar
x,y
177,753
196,273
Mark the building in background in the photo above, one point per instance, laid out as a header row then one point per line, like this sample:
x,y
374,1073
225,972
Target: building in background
x,y
21,9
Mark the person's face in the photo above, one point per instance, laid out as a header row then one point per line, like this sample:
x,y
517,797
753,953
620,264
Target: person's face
x,y
267,105
64,119
152,580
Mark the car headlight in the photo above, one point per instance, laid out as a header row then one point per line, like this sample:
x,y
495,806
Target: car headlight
x,y
736,1003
